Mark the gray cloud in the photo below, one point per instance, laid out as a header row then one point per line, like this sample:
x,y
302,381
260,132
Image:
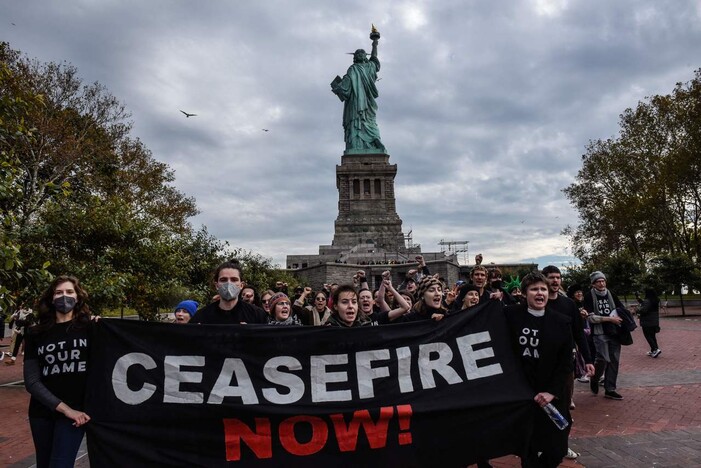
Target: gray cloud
x,y
485,107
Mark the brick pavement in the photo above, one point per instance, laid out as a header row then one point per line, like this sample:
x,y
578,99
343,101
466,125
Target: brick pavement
x,y
657,424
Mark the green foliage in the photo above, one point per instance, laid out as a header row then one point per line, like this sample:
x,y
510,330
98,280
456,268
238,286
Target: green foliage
x,y
673,271
260,273
639,196
641,192
18,283
622,271
80,196
577,274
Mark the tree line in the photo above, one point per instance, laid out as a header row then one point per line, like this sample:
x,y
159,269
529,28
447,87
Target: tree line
x,y
81,195
638,195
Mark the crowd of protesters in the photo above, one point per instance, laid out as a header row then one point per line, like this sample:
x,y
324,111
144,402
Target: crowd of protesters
x,y
583,327
572,335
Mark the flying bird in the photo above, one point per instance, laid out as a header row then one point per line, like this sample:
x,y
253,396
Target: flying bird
x,y
188,115
265,129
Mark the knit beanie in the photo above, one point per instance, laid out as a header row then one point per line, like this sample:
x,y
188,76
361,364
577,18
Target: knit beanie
x,y
188,306
278,297
426,282
597,275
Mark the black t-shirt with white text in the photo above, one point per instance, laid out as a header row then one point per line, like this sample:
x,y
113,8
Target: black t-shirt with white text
x,y
528,344
62,353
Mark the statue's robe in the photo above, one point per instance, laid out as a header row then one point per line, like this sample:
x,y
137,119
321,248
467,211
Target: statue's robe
x,y
358,91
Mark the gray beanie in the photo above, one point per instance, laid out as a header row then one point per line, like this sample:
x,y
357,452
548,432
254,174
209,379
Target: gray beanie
x,y
597,275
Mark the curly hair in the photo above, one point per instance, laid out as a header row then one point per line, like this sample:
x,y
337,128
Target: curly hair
x,y
47,311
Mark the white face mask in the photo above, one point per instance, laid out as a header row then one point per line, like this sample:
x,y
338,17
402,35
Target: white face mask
x,y
228,291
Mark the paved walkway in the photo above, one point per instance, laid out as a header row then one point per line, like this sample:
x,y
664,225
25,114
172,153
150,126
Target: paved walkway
x,y
658,424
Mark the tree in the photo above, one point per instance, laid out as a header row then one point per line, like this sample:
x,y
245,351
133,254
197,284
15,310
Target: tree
x,y
577,274
260,273
675,271
80,195
623,271
641,192
17,283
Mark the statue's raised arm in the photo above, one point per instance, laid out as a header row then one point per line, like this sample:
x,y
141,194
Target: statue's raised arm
x,y
358,92
375,37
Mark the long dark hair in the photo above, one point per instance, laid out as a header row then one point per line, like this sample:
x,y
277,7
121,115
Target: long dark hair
x,y
47,312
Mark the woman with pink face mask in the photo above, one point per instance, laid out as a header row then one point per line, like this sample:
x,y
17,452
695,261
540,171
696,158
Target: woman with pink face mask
x,y
55,372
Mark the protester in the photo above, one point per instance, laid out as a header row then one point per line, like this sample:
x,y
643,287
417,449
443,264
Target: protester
x,y
575,293
496,285
600,305
649,313
386,314
472,296
478,279
319,309
229,309
281,311
265,300
57,390
345,309
248,294
20,321
429,301
365,301
184,311
414,277
561,304
543,341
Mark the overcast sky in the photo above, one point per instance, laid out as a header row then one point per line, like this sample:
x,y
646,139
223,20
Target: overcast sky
x,y
486,107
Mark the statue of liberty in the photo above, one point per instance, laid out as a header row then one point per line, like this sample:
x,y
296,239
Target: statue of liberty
x,y
358,92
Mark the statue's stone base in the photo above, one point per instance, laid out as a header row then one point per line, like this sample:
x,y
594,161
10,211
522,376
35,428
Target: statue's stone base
x,y
366,205
368,231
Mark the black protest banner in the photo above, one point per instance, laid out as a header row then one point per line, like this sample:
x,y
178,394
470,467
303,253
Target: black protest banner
x,y
416,394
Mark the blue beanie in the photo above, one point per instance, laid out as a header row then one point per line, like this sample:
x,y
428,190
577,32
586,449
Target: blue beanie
x,y
189,306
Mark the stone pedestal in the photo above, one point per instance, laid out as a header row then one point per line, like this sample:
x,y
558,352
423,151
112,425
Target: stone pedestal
x,y
367,213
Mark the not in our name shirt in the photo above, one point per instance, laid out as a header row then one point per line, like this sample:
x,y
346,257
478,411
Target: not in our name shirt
x,y
62,354
529,344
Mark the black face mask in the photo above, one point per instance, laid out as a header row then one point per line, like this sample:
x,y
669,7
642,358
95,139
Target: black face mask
x,y
496,284
64,304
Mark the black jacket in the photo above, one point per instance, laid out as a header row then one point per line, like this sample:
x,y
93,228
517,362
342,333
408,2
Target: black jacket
x,y
555,349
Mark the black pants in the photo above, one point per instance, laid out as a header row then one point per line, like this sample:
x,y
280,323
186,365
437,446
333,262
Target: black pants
x,y
15,343
548,440
56,441
650,335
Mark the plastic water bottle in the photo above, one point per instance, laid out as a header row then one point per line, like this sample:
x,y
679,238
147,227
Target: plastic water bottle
x,y
556,417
